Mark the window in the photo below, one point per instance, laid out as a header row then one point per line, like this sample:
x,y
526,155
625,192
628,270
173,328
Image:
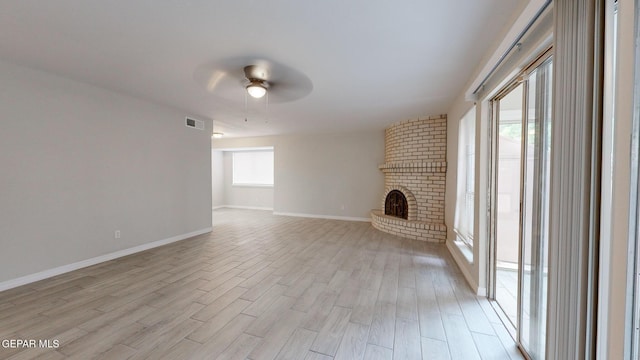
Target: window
x,y
463,224
253,168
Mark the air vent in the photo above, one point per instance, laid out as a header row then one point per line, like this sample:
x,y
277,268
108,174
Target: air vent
x,y
196,124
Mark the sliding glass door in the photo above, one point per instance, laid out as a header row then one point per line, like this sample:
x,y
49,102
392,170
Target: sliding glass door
x,y
535,212
520,183
507,206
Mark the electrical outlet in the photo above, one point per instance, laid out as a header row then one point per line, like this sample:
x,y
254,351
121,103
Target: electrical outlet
x,y
117,234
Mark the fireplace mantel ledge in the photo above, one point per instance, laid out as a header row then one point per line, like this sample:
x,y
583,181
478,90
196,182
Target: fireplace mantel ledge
x,y
403,166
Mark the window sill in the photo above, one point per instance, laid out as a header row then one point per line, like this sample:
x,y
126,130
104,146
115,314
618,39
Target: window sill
x,y
465,250
252,185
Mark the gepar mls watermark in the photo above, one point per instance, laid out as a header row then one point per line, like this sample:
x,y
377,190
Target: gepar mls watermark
x,y
30,343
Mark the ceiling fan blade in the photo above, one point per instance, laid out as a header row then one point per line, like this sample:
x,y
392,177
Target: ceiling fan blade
x,y
281,92
227,78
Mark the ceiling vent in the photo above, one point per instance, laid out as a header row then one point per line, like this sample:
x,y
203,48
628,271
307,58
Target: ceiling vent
x,y
193,123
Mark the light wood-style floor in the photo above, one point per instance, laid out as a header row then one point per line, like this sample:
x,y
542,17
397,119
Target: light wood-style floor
x,y
262,287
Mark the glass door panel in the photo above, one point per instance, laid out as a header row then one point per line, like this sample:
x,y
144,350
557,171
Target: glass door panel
x,y
535,212
507,227
520,204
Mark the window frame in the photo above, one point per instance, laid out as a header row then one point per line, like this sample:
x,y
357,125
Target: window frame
x,y
466,158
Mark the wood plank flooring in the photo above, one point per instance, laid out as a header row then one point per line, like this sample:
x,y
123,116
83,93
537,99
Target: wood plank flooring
x,y
262,287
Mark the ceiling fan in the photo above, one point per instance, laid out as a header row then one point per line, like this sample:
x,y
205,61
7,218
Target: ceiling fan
x,y
257,84
229,78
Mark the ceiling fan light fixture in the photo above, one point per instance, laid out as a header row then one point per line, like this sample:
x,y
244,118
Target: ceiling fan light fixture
x,y
256,89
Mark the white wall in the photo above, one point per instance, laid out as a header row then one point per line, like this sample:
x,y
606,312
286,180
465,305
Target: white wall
x,y
79,162
217,178
323,175
260,197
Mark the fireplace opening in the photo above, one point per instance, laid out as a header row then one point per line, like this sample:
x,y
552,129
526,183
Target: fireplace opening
x,y
396,205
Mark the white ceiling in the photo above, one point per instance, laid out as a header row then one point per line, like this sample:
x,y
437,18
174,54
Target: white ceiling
x,y
370,62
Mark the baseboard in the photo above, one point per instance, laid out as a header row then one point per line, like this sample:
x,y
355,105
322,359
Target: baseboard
x,y
218,207
9,284
463,263
243,207
329,217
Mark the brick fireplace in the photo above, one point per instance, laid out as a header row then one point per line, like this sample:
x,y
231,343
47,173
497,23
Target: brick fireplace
x,y
415,167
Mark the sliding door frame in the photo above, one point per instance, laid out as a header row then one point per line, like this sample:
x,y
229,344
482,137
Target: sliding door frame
x,y
632,331
494,105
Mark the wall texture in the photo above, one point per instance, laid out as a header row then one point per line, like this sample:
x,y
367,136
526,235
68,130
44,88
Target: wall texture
x,y
217,179
330,175
79,162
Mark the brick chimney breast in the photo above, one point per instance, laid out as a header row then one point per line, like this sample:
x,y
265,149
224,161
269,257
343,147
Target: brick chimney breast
x,y
415,165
